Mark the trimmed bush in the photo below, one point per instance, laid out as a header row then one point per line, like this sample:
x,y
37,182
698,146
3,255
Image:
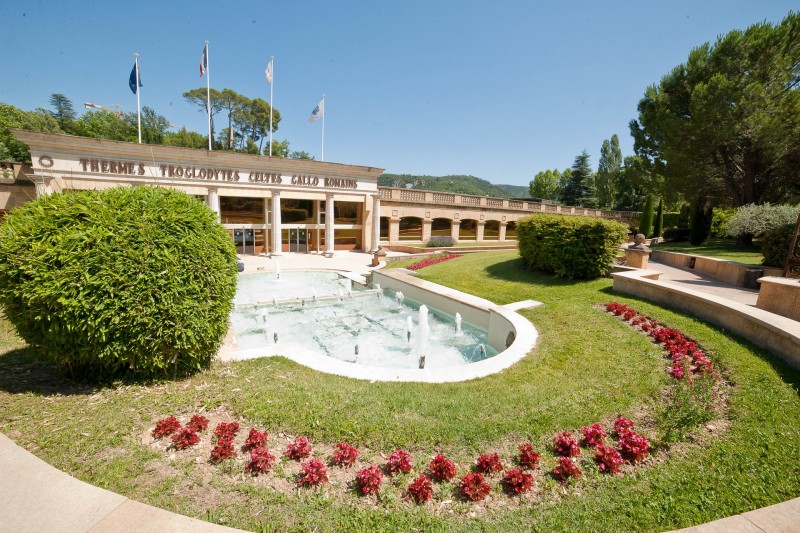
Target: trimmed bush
x,y
700,226
440,242
126,281
671,220
569,246
775,245
646,218
290,214
676,234
658,225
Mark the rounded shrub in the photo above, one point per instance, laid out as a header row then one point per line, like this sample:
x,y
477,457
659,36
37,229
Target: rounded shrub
x,y
440,241
775,245
126,281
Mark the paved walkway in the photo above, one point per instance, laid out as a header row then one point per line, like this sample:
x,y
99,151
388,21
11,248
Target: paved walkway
x,y
36,497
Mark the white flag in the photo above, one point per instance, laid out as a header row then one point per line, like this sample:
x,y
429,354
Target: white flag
x,y
318,112
268,72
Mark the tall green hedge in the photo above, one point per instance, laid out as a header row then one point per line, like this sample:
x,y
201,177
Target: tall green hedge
x,y
646,218
134,280
775,245
569,246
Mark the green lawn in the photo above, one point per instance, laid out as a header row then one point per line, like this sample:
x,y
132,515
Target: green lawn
x,y
720,248
587,367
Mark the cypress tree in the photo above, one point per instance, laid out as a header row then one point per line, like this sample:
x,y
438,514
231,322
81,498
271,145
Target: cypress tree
x,y
700,225
646,219
659,225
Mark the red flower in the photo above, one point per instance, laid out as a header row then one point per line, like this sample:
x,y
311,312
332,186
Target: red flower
x,y
621,425
634,446
442,468
369,480
629,314
399,461
528,457
260,461
166,427
473,487
222,450
430,261
198,423
608,459
565,444
184,438
420,490
226,430
566,469
314,472
488,463
299,449
345,455
255,439
516,481
593,435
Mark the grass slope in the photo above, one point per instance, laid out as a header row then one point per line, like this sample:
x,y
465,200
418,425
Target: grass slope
x,y
719,248
587,367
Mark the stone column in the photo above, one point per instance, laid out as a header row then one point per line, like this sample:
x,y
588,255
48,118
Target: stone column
x,y
317,218
479,231
502,235
455,225
43,185
277,244
265,251
376,222
213,201
394,229
329,249
426,230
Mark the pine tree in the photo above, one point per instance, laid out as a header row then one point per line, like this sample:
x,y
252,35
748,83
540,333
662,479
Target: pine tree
x,y
580,188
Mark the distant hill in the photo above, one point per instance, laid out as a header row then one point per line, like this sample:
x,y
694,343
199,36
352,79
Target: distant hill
x,y
454,184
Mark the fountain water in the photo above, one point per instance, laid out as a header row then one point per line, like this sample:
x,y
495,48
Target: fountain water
x,y
458,323
274,300
264,315
277,269
424,335
409,327
313,294
399,297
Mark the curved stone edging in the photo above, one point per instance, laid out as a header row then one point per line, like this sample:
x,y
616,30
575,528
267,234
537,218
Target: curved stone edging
x,y
778,334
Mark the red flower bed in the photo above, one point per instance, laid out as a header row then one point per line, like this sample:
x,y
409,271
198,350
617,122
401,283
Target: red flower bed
x,y
565,444
222,450
527,457
516,481
255,439
488,463
399,461
166,427
634,446
260,461
593,435
420,490
226,430
345,455
198,423
473,487
431,261
299,449
566,469
369,480
608,459
442,468
622,425
184,438
314,472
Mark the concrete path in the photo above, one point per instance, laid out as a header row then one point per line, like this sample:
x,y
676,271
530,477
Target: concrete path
x,y
692,280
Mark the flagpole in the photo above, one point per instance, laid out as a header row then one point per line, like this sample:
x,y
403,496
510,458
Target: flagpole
x,y
322,158
272,77
208,96
138,109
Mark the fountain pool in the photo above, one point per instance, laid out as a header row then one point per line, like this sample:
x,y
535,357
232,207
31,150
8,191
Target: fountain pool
x,y
367,327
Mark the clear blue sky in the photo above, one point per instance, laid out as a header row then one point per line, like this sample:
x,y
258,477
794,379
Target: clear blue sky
x,y
497,90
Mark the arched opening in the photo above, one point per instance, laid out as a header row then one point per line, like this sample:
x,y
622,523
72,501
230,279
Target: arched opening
x,y
468,230
440,227
491,230
410,229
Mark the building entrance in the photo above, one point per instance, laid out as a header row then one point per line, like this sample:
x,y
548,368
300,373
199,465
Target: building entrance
x,y
298,240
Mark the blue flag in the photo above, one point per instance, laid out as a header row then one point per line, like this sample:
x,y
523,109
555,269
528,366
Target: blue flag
x,y
132,80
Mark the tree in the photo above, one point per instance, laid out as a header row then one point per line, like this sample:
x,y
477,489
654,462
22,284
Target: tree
x,y
659,223
580,189
279,148
630,194
186,139
12,149
724,127
608,172
646,218
301,154
197,97
702,215
102,124
545,185
154,126
63,111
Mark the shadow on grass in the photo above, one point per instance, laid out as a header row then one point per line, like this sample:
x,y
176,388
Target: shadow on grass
x,y
514,270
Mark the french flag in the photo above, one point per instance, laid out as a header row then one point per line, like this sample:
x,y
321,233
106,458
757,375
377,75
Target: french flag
x,y
204,61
